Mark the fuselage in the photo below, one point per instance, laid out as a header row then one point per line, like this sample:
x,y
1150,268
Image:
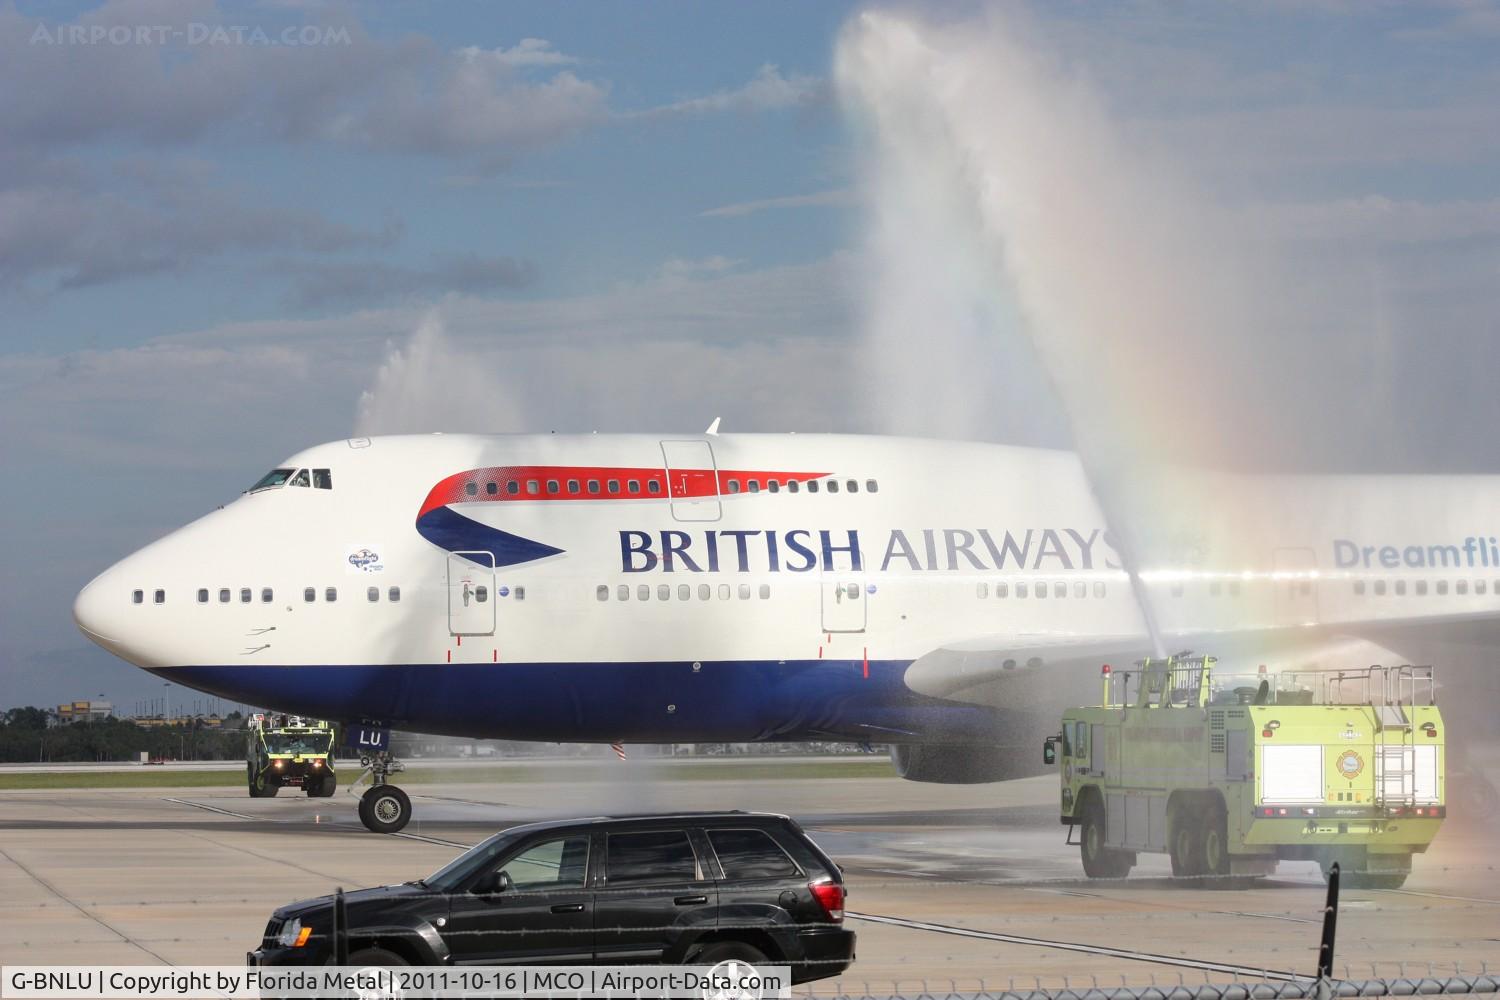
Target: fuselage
x,y
741,587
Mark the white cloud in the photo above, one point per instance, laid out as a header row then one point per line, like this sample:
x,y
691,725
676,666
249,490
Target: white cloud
x,y
838,196
769,90
678,268
525,54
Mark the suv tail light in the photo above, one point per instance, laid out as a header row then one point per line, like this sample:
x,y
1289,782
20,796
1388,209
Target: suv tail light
x,y
830,896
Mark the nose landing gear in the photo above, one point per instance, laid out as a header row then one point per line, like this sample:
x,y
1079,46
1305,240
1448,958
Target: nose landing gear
x,y
383,808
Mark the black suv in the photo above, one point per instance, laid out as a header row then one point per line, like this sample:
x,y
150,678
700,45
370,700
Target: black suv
x,y
696,888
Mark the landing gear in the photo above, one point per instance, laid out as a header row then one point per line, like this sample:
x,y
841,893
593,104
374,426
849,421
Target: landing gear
x,y
384,808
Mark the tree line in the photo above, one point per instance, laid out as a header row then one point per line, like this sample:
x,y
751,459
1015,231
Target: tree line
x,y
33,734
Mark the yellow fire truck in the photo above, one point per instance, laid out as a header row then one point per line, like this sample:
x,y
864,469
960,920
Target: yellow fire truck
x,y
1231,775
289,750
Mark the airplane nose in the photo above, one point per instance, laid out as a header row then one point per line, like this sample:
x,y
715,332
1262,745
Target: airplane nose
x,y
99,611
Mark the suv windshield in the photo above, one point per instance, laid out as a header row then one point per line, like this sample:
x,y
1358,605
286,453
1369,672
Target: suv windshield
x,y
298,742
470,863
272,479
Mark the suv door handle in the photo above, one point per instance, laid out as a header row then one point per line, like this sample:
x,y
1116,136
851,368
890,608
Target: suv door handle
x,y
690,900
568,908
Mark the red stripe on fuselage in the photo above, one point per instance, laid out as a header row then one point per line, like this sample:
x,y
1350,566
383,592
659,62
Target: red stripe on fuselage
x,y
572,482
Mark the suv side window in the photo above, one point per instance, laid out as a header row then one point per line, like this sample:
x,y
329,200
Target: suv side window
x,y
650,856
750,854
552,864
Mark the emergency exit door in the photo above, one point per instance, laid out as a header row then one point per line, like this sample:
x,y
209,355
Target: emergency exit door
x,y
471,593
692,480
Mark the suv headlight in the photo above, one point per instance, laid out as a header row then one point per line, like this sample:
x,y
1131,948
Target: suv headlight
x,y
291,935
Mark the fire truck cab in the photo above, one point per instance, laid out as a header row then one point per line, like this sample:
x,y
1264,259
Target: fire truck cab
x,y
1231,775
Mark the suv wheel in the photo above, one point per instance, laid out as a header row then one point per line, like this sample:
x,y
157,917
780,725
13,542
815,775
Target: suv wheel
x,y
376,956
719,952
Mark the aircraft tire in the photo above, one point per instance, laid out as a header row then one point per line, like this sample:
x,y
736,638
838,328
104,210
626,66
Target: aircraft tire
x,y
385,809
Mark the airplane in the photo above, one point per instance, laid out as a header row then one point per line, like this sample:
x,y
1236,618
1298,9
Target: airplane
x,y
944,598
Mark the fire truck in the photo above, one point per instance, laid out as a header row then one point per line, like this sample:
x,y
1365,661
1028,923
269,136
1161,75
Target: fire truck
x,y
1231,775
289,750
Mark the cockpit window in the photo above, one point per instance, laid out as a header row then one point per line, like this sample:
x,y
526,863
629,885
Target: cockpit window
x,y
272,480
300,479
322,479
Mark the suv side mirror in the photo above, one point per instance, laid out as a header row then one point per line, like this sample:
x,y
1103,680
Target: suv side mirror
x,y
489,884
1049,750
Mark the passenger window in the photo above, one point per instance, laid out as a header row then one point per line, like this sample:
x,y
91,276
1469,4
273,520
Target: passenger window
x,y
1099,589
734,486
160,597
1442,587
481,593
556,864
614,486
812,486
552,486
744,592
393,595
1002,590
601,592
244,595
202,595
657,856
724,592
1379,588
1234,588
633,486
704,591
1478,586
309,594
1359,586
322,479
331,594
871,486
533,487
512,486
1059,590
471,489
372,594
137,596
1041,590
492,489
833,486
851,591
1461,587
755,486
593,486
623,592
1215,589
652,486
520,593
765,591
663,592
684,592
1021,590
852,486
224,595
1421,587
983,589
750,854
572,486
300,479
1400,588
643,592
793,486
774,485
266,595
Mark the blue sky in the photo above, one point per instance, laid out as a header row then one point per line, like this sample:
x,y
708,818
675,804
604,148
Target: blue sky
x,y
654,212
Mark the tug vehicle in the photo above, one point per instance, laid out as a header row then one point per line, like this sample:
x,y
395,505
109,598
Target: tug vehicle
x,y
1230,776
284,750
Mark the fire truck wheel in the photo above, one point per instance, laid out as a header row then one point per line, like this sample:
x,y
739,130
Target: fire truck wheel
x,y
1214,853
323,787
1185,846
1100,861
260,788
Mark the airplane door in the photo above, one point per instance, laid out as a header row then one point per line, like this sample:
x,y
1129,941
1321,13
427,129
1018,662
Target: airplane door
x,y
843,603
1295,579
692,480
471,593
